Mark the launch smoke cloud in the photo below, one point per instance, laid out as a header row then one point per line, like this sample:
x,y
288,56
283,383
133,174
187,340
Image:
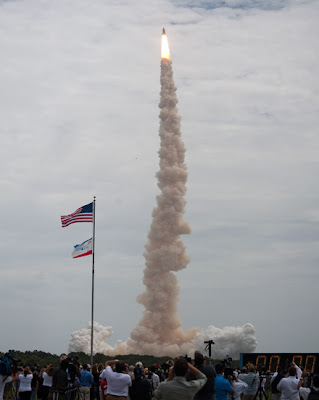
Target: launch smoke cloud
x,y
159,332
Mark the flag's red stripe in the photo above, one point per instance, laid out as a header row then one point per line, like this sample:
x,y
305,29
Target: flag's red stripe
x,y
85,254
70,219
83,216
71,215
64,224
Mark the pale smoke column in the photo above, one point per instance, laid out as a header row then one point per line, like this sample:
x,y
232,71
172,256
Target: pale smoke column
x,y
159,331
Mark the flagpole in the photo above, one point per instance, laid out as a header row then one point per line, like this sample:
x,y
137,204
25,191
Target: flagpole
x,y
92,311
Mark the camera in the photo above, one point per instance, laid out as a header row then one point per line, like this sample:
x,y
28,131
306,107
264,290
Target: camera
x,y
227,362
228,372
73,366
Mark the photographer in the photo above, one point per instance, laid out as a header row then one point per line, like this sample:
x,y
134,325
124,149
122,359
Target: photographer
x,y
223,386
252,380
176,387
238,385
60,383
118,382
208,390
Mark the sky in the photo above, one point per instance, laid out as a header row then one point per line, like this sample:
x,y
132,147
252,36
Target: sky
x,y
79,118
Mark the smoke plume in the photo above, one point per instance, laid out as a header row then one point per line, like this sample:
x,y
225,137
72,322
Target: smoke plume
x,y
81,341
159,332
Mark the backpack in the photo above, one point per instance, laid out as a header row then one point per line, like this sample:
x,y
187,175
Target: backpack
x,y
313,395
5,365
275,382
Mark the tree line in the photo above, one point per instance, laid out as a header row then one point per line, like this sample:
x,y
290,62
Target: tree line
x,y
41,358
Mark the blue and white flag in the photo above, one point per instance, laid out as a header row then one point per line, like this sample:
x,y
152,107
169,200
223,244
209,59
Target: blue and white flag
x,y
83,249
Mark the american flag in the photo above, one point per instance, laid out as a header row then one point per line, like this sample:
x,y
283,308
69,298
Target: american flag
x,y
82,214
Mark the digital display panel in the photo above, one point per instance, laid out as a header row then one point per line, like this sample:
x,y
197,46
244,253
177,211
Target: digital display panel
x,y
272,361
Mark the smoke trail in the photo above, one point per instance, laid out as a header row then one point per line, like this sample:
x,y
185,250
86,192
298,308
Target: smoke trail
x,y
159,331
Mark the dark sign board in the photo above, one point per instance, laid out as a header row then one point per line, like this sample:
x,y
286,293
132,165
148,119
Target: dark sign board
x,y
271,361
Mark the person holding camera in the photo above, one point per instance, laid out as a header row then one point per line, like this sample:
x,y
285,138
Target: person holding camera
x,y
238,385
289,386
60,384
207,392
252,380
118,381
222,385
176,387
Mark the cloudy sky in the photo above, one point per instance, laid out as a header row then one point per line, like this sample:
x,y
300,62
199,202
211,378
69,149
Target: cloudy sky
x,y
79,94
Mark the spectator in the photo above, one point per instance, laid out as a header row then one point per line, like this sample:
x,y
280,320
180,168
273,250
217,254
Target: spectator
x,y
47,381
40,384
34,383
307,393
25,384
60,380
252,380
207,392
7,379
238,385
86,380
154,378
176,387
222,385
131,371
96,383
275,379
118,382
289,387
141,387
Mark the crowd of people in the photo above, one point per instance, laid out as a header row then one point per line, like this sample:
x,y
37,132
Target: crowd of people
x,y
174,380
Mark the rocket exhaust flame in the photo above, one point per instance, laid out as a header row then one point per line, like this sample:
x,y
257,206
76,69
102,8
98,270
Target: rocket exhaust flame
x,y
165,49
159,332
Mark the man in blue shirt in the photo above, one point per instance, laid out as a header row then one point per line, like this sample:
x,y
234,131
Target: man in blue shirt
x,y
86,380
222,385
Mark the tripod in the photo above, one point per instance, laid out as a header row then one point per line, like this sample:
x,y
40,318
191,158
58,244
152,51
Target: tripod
x,y
208,347
260,391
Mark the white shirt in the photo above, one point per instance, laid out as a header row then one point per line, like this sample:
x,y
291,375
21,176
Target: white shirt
x,y
117,383
3,384
239,387
273,377
305,392
155,380
47,380
289,388
25,383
